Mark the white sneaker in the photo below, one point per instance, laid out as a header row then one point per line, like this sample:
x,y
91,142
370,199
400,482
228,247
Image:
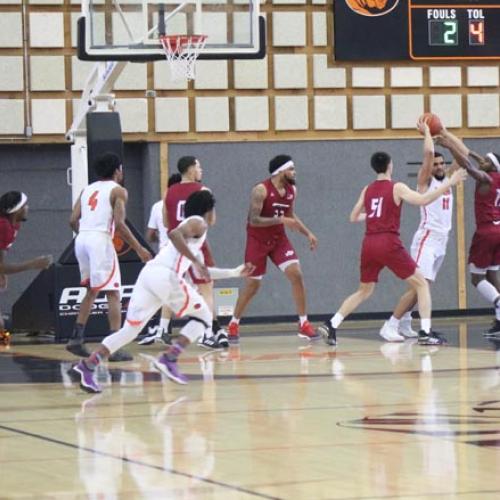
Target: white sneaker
x,y
406,330
389,333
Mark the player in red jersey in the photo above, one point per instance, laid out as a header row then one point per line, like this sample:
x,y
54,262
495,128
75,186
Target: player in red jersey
x,y
271,210
484,253
189,167
380,204
13,211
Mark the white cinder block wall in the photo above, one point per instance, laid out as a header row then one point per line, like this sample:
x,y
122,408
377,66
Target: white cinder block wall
x,y
298,87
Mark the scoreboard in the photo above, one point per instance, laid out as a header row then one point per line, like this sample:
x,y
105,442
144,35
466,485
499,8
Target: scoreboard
x,y
367,30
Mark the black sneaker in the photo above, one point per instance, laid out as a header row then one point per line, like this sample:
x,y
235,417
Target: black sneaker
x,y
77,347
147,339
494,330
328,333
222,338
120,355
431,338
209,343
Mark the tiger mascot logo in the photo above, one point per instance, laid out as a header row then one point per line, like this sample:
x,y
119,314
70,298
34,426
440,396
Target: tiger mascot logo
x,y
372,8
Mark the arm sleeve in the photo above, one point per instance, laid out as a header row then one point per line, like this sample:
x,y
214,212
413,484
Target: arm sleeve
x,y
216,273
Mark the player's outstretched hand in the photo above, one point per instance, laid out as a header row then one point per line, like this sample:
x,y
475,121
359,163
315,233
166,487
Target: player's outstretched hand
x,y
313,241
458,176
422,125
42,262
291,223
144,254
247,269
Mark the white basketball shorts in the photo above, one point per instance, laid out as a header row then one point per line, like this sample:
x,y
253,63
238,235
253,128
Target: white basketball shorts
x,y
98,261
428,250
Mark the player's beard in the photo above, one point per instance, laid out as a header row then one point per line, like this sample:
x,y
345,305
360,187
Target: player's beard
x,y
290,180
439,177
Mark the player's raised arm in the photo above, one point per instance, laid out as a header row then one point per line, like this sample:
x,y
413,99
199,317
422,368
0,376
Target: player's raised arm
x,y
425,171
403,192
358,212
119,198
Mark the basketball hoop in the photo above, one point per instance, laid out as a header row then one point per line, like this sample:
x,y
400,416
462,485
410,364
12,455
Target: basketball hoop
x,y
181,52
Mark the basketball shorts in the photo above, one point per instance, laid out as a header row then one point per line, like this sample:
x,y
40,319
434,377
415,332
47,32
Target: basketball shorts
x,y
207,258
98,261
279,250
384,250
428,250
157,286
484,253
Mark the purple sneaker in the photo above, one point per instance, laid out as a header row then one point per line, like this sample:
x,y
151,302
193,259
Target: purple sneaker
x,y
170,369
87,382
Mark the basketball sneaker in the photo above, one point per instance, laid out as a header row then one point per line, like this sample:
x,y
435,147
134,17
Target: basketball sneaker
x,y
389,333
306,331
149,338
120,355
494,330
86,376
222,338
209,343
406,330
170,369
432,338
77,347
328,333
234,333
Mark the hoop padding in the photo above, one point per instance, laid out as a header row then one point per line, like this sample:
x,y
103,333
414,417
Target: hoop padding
x,y
181,52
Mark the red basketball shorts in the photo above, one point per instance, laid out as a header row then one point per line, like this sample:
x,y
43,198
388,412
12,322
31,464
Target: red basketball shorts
x,y
485,248
384,250
279,250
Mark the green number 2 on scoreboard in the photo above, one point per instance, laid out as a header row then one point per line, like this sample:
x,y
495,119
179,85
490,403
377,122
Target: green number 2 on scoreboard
x,y
450,32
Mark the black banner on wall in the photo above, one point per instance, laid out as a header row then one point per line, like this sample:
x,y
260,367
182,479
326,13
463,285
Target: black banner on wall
x,y
375,30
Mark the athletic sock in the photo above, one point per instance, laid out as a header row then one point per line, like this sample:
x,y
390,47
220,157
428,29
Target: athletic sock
x,y
164,323
174,352
336,320
425,325
393,321
406,318
487,290
215,325
94,360
235,320
78,333
302,319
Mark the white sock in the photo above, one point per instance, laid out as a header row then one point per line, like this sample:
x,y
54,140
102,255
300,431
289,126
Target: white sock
x,y
487,290
497,313
393,321
425,325
164,324
235,320
302,319
406,318
336,320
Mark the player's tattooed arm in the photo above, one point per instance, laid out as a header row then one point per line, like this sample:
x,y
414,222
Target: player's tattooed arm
x,y
358,212
425,171
76,213
257,198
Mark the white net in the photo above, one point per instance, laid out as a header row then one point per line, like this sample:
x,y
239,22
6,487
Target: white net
x,y
181,52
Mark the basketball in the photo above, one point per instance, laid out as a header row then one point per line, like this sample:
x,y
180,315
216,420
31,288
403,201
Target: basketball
x,y
433,121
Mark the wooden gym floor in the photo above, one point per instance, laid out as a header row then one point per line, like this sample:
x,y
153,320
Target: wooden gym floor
x,y
275,418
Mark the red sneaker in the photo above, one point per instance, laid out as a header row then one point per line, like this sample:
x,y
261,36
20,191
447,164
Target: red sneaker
x,y
306,331
233,331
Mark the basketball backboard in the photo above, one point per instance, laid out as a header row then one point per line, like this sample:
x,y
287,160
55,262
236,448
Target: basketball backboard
x,y
129,30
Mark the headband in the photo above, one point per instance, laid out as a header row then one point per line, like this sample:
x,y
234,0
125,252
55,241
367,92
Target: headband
x,y
285,166
15,208
494,160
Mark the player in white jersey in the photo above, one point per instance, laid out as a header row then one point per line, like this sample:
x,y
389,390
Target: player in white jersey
x,y
157,233
428,247
160,283
97,213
